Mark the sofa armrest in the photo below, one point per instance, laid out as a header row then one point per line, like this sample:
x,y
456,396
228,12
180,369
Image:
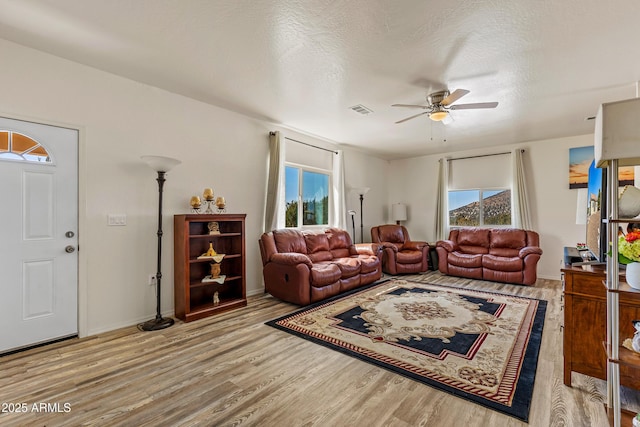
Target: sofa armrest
x,y
415,245
528,250
368,248
388,245
291,258
447,245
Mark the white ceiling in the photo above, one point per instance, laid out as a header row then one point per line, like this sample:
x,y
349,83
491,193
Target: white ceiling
x,y
303,63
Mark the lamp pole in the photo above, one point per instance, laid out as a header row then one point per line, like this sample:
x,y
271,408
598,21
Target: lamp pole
x,y
352,214
159,322
361,223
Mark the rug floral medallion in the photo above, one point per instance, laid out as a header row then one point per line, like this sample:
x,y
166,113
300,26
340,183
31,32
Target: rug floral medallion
x,y
482,346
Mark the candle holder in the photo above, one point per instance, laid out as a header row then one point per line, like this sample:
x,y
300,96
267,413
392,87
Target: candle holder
x,y
195,204
207,194
221,204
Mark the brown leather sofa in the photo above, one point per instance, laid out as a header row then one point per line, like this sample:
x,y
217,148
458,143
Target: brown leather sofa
x,y
500,254
400,254
305,267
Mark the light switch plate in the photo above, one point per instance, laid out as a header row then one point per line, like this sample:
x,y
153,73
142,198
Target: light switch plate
x,y
117,219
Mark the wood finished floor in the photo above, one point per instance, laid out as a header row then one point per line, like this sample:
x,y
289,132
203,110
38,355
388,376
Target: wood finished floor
x,y
234,370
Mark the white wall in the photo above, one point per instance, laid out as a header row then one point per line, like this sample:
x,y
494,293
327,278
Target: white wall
x,y
553,205
120,120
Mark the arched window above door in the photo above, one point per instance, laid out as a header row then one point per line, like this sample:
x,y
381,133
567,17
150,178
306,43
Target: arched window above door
x,y
16,146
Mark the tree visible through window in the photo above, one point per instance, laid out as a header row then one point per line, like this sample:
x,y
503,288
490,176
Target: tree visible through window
x,y
477,208
306,197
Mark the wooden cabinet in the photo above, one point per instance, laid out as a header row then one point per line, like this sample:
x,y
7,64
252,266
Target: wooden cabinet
x,y
585,323
193,294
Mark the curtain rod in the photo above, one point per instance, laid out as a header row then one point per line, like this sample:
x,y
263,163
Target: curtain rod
x,y
483,155
307,144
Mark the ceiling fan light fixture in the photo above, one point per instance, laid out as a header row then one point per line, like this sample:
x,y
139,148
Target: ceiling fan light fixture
x,y
438,116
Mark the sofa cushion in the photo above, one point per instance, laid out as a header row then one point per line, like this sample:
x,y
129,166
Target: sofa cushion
x,y
349,267
323,274
368,263
288,240
409,257
460,259
339,242
473,237
504,252
493,262
508,238
317,246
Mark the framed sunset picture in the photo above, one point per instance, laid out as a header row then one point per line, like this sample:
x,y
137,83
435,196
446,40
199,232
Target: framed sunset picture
x,y
580,158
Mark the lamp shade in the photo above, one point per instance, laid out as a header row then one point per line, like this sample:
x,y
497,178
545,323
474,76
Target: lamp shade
x,y
617,133
160,163
361,190
399,212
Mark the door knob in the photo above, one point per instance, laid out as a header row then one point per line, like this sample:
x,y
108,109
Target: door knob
x,y
70,249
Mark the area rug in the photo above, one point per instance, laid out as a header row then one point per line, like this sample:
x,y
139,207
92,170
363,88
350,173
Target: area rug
x,y
481,346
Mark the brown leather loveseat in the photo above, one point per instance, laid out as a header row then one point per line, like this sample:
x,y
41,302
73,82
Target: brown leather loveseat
x,y
500,254
304,267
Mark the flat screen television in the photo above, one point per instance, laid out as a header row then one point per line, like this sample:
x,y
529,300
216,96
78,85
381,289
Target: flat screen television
x,y
596,237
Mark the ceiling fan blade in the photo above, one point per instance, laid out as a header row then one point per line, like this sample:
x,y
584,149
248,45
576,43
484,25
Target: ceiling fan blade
x,y
474,106
412,117
411,106
457,94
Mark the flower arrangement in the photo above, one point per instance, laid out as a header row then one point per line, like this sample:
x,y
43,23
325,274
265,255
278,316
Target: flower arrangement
x,y
629,248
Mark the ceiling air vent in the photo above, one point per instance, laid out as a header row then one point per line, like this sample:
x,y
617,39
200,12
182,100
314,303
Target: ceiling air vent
x,y
361,109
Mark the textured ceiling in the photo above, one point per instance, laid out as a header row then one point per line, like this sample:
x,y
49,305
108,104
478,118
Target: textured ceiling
x,y
303,63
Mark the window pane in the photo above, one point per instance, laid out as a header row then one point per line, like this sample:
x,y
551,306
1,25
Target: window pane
x,y
15,146
315,198
291,183
496,207
464,208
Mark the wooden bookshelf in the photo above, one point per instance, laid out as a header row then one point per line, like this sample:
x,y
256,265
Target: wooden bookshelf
x,y
193,298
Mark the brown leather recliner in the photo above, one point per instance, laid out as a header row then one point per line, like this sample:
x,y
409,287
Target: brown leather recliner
x,y
400,254
507,255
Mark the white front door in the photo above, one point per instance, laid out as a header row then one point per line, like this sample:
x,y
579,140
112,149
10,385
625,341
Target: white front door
x,y
38,233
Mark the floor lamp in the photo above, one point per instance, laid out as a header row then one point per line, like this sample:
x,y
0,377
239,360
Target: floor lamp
x,y
361,191
161,165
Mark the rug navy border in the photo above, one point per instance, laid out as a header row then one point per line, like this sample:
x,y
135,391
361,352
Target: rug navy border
x,y
524,386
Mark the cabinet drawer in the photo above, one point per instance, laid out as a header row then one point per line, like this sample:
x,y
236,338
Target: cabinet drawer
x,y
587,284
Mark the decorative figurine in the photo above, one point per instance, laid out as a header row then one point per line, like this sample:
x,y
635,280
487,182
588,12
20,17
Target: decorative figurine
x,y
214,228
215,270
195,204
210,251
216,298
636,337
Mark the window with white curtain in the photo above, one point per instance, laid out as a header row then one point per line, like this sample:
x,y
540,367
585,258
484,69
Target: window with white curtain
x,y
479,191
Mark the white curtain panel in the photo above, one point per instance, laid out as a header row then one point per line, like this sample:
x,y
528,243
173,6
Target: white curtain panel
x,y
274,206
442,205
339,214
521,218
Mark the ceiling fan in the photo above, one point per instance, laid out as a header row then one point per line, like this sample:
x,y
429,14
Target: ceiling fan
x,y
441,102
